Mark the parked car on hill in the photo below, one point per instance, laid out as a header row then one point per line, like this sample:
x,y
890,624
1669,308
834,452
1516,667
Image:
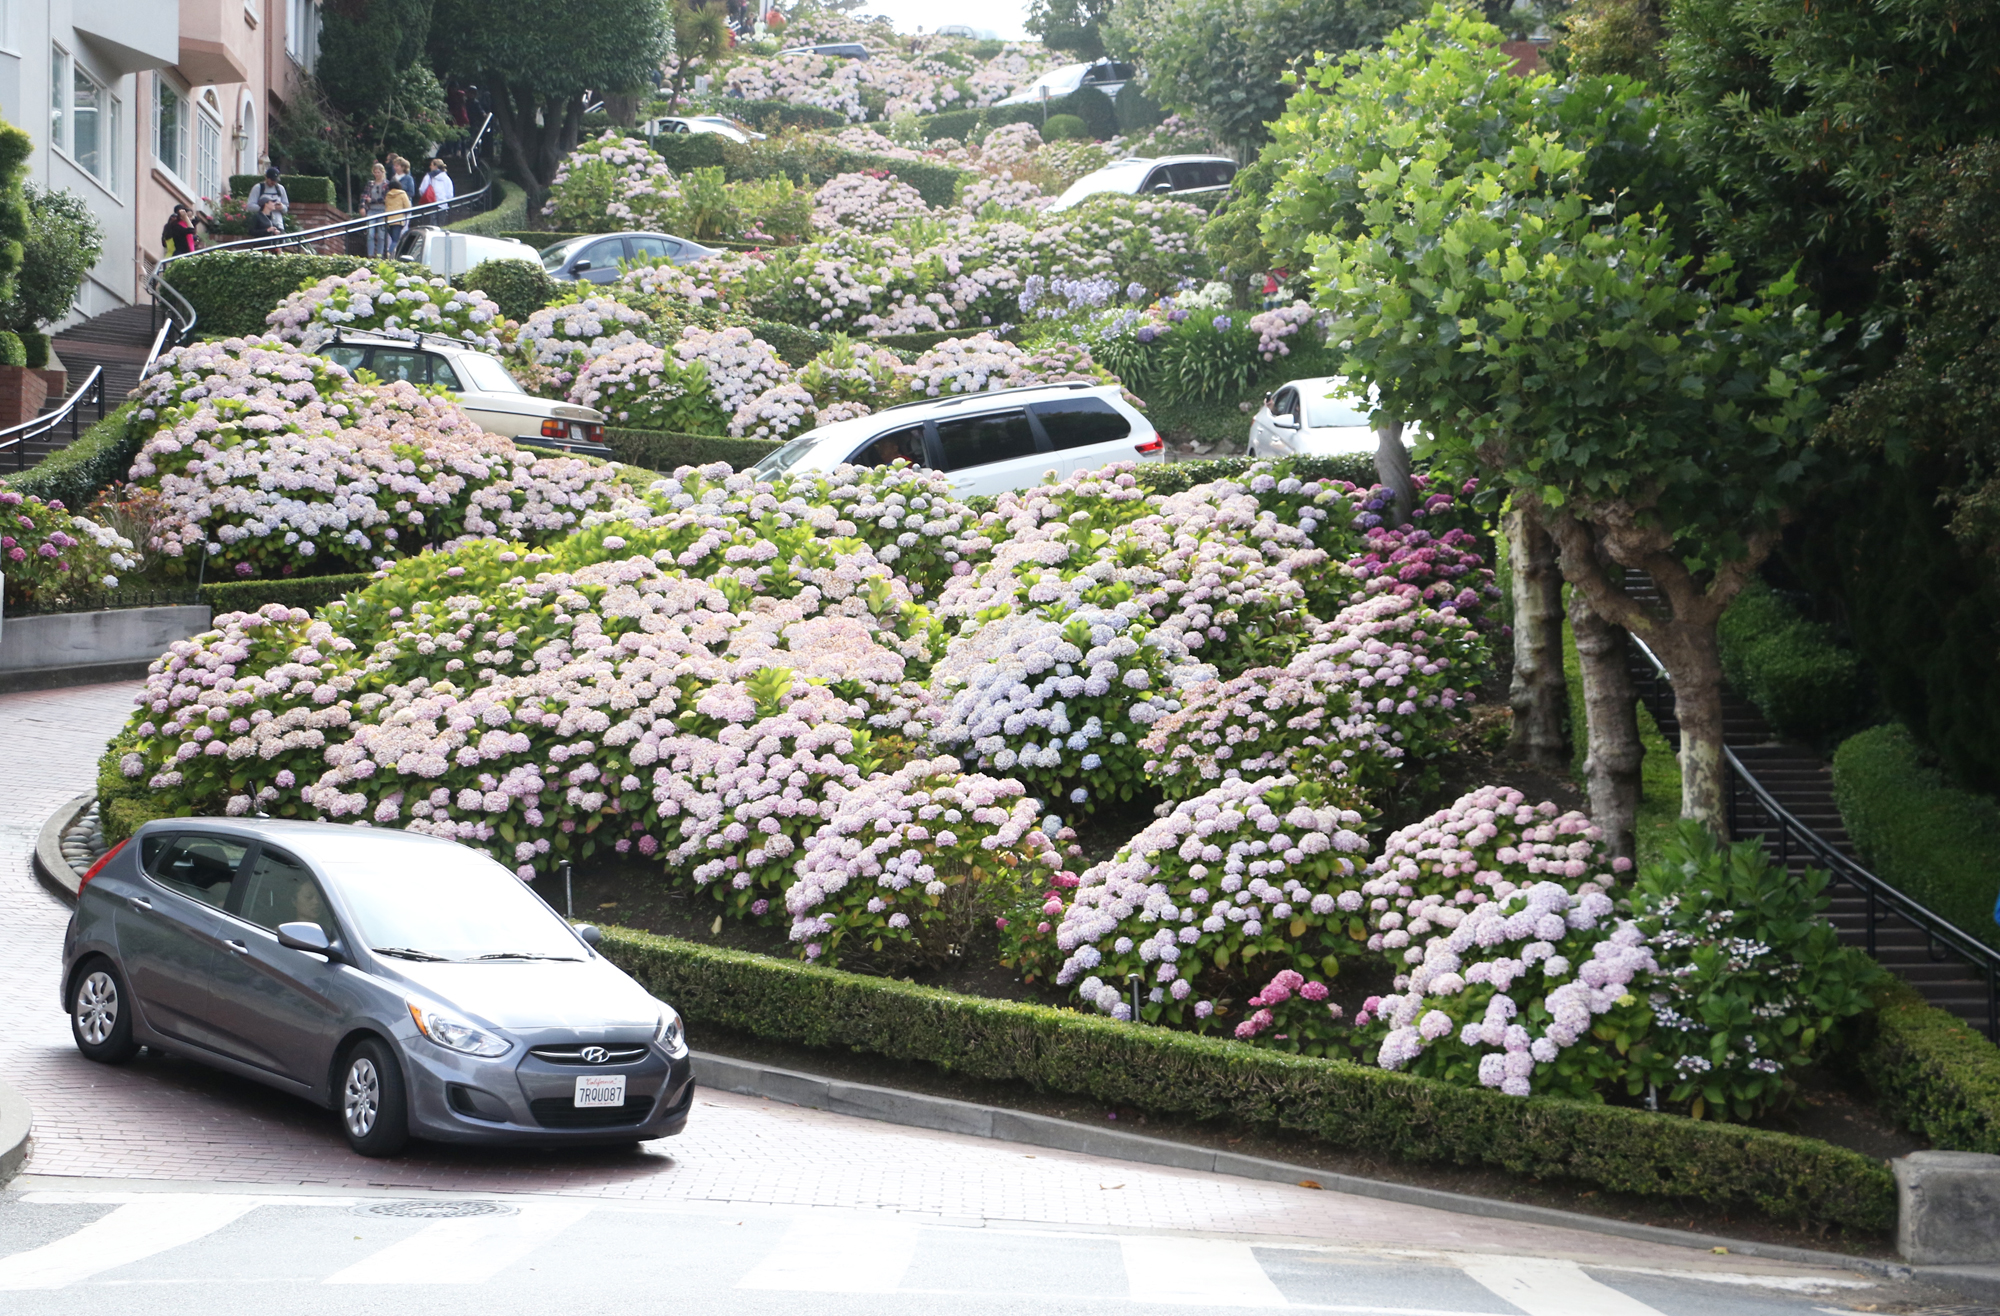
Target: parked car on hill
x,y
448,253
481,386
1176,177
987,443
1105,75
837,49
594,257
1304,418
408,982
719,125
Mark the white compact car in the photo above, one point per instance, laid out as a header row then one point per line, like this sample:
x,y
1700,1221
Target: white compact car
x,y
1105,75
988,443
1305,418
449,253
720,125
1175,177
481,386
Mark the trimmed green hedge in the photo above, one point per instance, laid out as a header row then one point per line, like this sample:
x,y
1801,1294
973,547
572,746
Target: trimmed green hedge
x,y
1932,1072
521,287
232,292
764,115
308,592
1931,840
100,456
926,341
1345,1106
35,345
309,189
1804,682
509,212
658,450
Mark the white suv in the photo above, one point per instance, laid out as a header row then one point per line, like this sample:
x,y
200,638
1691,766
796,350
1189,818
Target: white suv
x,y
479,383
988,443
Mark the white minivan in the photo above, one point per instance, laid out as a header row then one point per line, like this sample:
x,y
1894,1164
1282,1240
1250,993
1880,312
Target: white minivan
x,y
987,443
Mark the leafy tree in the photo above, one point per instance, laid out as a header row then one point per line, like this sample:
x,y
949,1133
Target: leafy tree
x,y
1224,63
1071,26
539,58
1603,37
63,241
1481,240
15,146
701,34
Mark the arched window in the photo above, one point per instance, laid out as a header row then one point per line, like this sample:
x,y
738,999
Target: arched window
x,y
246,143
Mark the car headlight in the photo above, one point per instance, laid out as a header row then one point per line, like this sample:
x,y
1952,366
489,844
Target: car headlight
x,y
671,1034
455,1035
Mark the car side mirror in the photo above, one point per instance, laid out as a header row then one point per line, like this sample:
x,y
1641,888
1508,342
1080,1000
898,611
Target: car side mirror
x,y
1161,189
581,267
590,935
308,937
1287,421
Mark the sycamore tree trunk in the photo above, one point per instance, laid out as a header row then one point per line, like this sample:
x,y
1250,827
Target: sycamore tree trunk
x,y
1680,629
1392,467
1611,711
536,135
1539,694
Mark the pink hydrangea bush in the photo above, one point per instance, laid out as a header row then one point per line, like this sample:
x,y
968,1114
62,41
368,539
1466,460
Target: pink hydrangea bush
x,y
1278,329
867,203
1250,877
643,386
907,864
848,379
1294,1013
388,299
737,365
49,553
905,514
557,341
607,181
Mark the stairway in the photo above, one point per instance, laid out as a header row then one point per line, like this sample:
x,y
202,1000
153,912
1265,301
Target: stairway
x,y
117,340
1801,783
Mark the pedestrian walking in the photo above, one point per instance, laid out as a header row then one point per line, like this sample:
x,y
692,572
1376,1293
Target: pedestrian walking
x,y
269,190
396,207
178,236
374,205
437,185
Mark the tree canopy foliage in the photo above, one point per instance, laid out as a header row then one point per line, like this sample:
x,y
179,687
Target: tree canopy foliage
x,y
1074,27
63,241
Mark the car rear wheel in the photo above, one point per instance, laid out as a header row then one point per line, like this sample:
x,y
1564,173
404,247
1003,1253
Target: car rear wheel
x,y
374,1108
100,1015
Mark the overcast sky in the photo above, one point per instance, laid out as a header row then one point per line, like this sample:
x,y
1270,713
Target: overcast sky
x,y
1002,17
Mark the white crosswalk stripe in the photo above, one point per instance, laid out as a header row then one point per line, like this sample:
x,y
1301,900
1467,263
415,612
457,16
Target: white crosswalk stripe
x,y
1208,1271
468,1251
1542,1286
823,1252
141,1228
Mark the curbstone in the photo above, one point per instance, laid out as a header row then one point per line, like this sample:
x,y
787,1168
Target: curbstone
x,y
946,1115
51,865
19,680
1948,1208
16,1119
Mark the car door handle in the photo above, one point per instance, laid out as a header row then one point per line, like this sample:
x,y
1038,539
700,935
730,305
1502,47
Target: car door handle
x,y
139,902
238,947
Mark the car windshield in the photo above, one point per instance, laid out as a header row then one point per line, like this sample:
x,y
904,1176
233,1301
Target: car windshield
x,y
785,458
446,903
554,258
1117,178
485,375
1324,412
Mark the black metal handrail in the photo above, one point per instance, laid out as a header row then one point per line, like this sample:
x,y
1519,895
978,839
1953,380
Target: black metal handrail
x,y
178,308
19,436
1880,897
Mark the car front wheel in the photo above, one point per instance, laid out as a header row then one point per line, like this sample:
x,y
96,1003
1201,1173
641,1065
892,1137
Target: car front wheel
x,y
100,1015
374,1109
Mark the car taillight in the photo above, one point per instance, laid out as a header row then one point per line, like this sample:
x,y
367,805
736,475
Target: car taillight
x,y
98,867
593,434
1157,444
555,429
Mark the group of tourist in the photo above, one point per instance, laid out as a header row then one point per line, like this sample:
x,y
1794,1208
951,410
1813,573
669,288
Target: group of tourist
x,y
388,198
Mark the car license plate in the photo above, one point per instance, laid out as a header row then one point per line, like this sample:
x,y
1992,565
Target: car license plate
x,y
600,1090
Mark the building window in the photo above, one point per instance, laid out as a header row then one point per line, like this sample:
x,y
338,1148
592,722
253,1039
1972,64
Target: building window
x,y
208,158
170,126
59,96
246,145
302,32
94,126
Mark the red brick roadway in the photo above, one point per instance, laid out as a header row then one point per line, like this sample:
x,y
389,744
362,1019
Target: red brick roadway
x,y
161,1118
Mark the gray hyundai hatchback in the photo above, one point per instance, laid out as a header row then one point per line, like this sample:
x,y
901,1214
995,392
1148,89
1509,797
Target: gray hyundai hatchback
x,y
410,983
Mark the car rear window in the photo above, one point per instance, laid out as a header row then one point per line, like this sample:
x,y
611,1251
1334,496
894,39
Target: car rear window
x,y
982,440
1080,422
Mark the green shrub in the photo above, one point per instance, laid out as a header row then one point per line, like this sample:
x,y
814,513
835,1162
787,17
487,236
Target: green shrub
x,y
232,292
1065,128
1344,1106
924,342
64,241
1176,477
1932,841
1804,682
1100,117
12,351
509,213
1134,111
522,287
686,151
658,451
308,189
35,344
123,817
1932,1072
765,116
308,592
955,124
100,456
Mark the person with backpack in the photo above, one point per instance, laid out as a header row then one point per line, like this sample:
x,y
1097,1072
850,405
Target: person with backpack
x,y
437,185
396,202
269,190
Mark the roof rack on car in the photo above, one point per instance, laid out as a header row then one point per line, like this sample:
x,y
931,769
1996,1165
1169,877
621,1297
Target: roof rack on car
x,y
420,338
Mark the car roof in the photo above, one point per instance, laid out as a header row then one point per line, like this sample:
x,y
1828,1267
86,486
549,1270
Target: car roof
x,y
315,840
861,426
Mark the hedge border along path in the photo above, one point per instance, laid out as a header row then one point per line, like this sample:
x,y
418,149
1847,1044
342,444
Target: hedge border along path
x,y
1344,1106
1938,1077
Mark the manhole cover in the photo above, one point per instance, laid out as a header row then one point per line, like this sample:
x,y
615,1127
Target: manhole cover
x,y
434,1210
